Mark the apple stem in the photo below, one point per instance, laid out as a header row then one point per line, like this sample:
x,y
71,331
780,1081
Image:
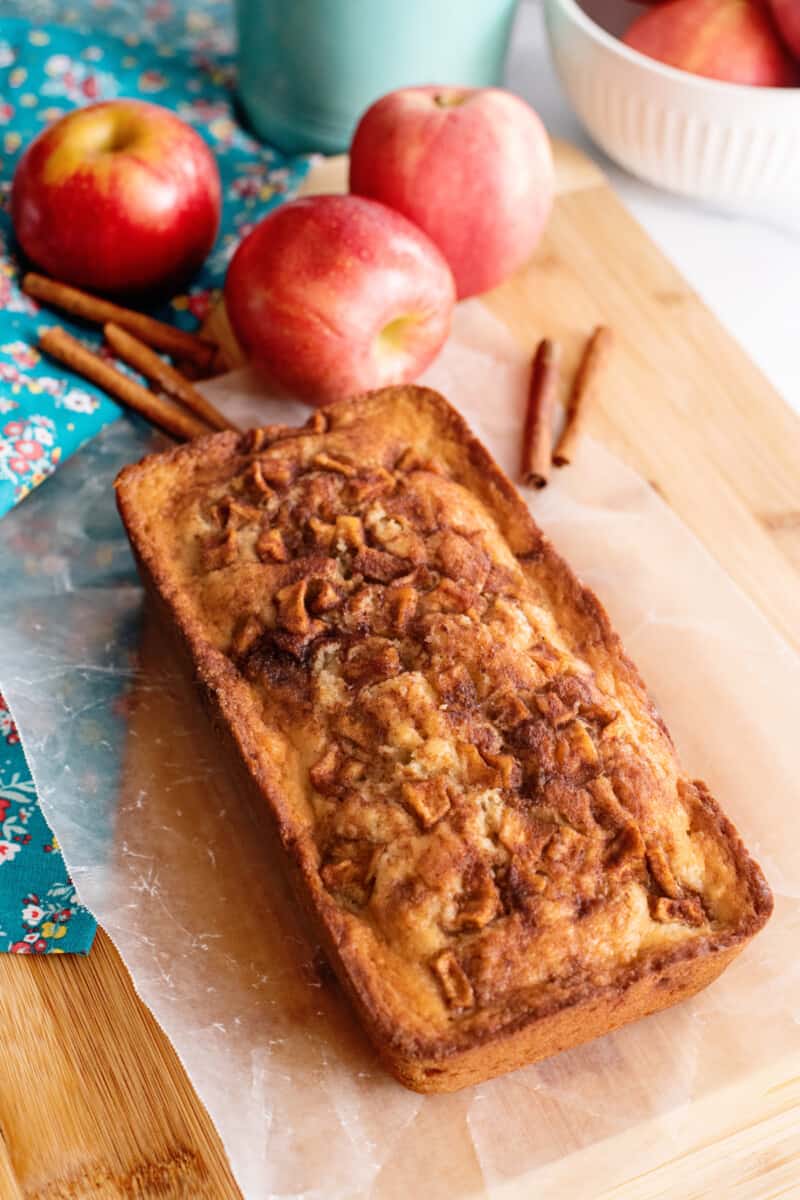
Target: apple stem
x,y
450,99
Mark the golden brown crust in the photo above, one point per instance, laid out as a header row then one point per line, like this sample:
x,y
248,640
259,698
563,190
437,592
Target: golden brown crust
x,y
481,809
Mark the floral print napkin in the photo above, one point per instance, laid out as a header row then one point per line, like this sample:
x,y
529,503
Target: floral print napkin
x,y
45,413
176,53
39,912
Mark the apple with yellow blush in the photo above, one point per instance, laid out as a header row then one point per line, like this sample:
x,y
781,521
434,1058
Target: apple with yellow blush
x,y
117,197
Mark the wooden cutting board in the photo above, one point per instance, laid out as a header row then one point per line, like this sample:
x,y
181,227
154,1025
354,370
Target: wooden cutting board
x,y
93,1102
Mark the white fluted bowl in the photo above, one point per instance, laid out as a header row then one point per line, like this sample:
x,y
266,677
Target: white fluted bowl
x,y
733,146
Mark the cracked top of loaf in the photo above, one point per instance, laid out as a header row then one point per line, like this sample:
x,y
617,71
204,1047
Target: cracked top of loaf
x,y
485,805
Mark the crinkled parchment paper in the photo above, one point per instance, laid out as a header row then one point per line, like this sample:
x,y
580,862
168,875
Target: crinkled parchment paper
x,y
169,858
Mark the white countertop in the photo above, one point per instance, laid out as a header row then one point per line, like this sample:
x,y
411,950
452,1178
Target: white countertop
x,y
747,271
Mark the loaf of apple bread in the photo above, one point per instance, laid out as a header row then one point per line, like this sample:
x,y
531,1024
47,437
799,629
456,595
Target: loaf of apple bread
x,y
480,808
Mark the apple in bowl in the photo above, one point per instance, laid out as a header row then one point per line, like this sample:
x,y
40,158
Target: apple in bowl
x,y
472,167
120,196
335,295
787,18
732,40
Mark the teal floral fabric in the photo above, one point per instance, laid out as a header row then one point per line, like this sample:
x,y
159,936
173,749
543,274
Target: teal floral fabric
x,y
39,911
55,56
45,70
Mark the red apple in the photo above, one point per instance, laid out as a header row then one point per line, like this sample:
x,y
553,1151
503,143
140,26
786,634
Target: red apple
x,y
337,295
787,18
117,197
472,167
732,40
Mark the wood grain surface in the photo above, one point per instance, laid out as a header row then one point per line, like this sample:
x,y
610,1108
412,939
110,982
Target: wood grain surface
x,y
93,1102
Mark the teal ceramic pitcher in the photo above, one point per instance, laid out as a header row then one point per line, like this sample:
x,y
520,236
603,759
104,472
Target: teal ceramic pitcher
x,y
309,68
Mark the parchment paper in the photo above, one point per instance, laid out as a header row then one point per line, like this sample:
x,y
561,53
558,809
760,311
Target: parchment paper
x,y
168,856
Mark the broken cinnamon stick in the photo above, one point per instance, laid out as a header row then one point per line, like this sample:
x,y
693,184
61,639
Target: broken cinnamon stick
x,y
537,439
157,334
68,350
144,360
585,386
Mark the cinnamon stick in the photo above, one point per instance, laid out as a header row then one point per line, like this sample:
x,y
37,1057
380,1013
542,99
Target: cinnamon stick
x,y
537,439
584,388
160,336
144,360
68,350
